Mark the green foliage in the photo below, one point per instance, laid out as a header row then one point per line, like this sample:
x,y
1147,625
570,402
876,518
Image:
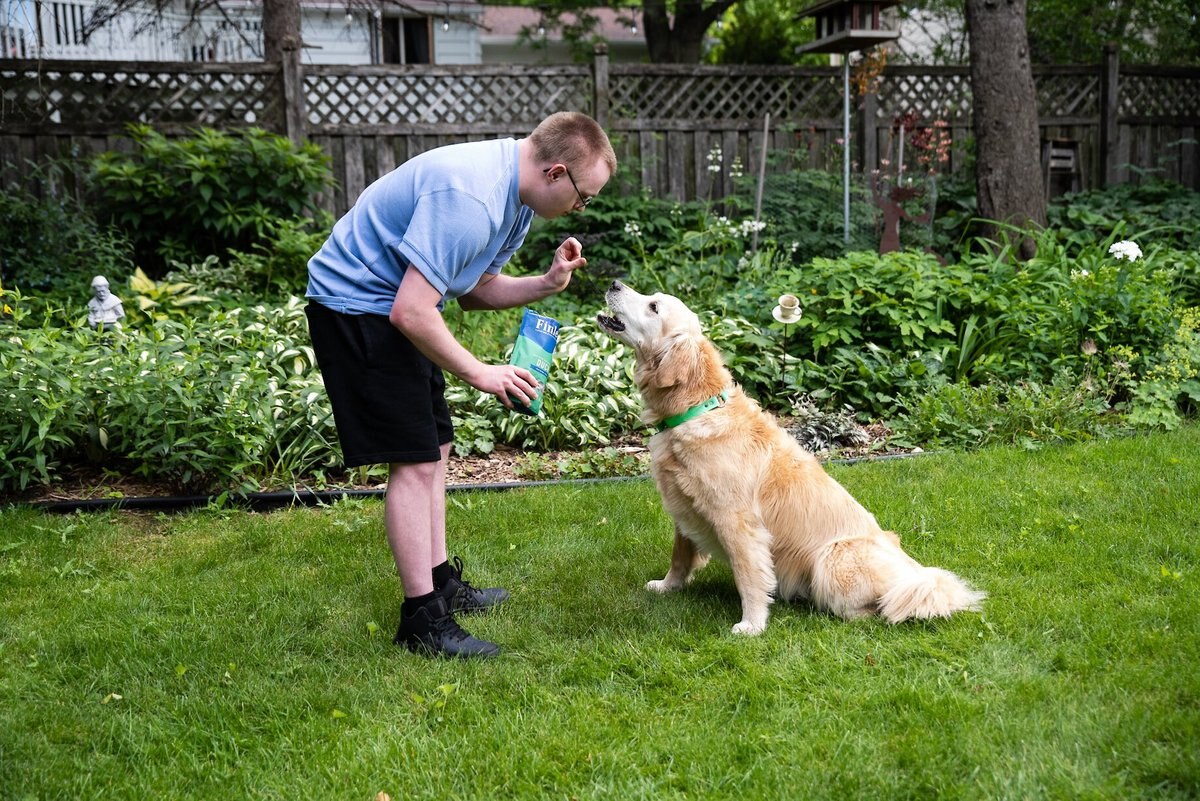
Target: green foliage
x,y
869,378
1026,414
272,270
184,199
804,210
900,336
762,32
1158,209
1145,32
160,300
231,400
1077,31
750,352
612,232
604,462
901,301
589,398
277,265
52,245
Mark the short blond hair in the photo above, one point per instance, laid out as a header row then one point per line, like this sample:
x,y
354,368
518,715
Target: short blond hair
x,y
573,138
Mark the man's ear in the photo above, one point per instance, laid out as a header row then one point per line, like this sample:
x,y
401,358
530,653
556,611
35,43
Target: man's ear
x,y
677,362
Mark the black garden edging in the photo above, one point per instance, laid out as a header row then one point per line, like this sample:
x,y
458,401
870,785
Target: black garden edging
x,y
267,501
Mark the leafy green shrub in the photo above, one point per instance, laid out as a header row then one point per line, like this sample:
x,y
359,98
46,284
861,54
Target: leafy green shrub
x,y
600,462
277,265
1069,295
231,400
805,213
869,378
51,245
1156,208
899,301
589,399
184,199
1169,380
1026,413
610,242
160,300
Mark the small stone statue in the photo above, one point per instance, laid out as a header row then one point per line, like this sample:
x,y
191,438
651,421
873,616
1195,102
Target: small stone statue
x,y
104,307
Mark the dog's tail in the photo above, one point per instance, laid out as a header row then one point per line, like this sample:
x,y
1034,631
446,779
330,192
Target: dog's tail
x,y
925,592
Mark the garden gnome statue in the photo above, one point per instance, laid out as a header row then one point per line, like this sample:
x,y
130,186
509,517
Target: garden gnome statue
x,y
104,307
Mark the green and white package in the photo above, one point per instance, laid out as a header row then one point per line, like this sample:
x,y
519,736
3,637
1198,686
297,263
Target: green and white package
x,y
536,339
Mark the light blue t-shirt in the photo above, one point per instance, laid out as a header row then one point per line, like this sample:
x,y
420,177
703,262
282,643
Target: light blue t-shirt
x,y
453,212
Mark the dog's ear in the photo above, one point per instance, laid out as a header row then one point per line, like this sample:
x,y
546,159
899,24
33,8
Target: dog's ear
x,y
678,361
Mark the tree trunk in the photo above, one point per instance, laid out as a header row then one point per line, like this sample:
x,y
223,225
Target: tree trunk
x,y
684,43
1008,173
280,27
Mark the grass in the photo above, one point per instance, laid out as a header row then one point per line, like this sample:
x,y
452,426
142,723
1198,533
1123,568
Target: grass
x,y
225,654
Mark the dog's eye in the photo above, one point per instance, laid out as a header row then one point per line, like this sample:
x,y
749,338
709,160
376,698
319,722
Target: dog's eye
x,y
654,306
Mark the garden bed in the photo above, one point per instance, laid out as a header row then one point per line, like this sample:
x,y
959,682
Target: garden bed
x,y
501,466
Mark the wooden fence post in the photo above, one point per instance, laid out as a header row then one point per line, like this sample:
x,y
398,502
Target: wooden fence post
x,y
870,136
294,113
1110,101
600,80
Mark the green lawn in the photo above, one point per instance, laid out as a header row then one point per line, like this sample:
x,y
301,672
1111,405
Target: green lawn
x,y
221,655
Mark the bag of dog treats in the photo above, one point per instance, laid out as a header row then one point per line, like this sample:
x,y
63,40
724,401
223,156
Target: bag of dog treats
x,y
536,339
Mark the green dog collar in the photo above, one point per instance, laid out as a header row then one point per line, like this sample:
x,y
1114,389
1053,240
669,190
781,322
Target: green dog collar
x,y
695,411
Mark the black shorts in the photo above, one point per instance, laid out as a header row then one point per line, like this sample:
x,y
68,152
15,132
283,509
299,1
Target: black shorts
x,y
388,398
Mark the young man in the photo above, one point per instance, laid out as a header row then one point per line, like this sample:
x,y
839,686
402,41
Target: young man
x,y
439,227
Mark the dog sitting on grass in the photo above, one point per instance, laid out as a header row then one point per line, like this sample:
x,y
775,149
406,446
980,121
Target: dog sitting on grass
x,y
740,488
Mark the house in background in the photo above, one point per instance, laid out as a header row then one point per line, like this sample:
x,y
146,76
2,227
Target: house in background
x,y
419,32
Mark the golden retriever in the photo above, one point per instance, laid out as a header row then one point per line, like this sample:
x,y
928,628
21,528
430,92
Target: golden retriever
x,y
741,488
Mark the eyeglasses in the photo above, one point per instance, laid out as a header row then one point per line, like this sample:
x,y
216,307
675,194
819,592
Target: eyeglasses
x,y
583,201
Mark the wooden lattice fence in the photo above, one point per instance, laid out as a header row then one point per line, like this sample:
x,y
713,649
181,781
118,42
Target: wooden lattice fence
x,y
671,124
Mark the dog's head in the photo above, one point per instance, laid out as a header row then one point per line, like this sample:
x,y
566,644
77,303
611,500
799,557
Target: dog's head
x,y
646,321
666,336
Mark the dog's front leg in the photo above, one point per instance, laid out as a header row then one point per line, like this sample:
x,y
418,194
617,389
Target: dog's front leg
x,y
686,559
749,551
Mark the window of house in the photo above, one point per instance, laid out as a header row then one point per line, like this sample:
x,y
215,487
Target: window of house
x,y
406,40
68,23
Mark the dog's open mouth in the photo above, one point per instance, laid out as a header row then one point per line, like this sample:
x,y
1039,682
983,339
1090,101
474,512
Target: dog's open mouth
x,y
610,323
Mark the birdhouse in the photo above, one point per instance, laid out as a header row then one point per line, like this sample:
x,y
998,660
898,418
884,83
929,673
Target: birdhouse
x,y
844,26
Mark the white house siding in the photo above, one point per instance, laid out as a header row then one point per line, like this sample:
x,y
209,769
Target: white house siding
x,y
458,45
329,37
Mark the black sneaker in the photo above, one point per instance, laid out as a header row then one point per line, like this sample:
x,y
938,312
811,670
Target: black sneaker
x,y
432,630
462,597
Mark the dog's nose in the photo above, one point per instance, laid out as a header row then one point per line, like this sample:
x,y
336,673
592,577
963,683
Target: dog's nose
x,y
617,286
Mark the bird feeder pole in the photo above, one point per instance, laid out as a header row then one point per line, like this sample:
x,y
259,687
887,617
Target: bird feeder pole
x,y
844,26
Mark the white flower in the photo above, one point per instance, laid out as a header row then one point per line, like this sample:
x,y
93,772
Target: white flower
x,y
1125,249
633,229
1077,274
795,246
748,227
735,169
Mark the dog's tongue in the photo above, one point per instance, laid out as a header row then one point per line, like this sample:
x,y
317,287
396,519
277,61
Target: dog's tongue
x,y
611,323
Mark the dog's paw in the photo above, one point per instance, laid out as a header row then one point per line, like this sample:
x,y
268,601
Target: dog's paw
x,y
748,629
661,586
